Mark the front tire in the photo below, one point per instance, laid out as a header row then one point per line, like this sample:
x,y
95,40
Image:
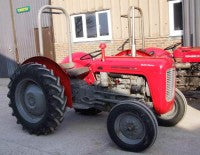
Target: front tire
x,y
132,126
176,114
37,98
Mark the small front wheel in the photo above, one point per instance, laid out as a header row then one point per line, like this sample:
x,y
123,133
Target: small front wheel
x,y
176,114
132,126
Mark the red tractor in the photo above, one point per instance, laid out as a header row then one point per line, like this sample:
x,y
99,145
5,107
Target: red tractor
x,y
188,69
186,61
186,58
136,91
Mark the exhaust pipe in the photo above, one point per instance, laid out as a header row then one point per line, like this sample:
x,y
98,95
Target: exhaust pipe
x,y
131,28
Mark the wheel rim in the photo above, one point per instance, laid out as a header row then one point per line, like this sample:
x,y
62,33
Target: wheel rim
x,y
129,128
30,100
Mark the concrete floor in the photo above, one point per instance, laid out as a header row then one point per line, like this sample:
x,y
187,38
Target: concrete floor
x,y
88,135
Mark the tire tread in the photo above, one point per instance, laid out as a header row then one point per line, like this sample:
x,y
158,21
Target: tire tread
x,y
50,83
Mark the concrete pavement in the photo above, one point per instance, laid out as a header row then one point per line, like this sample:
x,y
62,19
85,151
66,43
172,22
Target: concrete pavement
x,y
88,135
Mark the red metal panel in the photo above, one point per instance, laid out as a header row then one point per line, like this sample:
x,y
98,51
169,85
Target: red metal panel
x,y
187,54
152,68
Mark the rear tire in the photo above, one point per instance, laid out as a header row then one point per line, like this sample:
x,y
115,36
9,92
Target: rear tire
x,y
132,126
90,111
176,114
37,98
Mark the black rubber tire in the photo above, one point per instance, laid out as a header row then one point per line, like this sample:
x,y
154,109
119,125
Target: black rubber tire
x,y
90,111
54,96
173,117
142,113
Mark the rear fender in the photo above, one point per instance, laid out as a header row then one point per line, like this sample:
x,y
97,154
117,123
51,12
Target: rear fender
x,y
58,71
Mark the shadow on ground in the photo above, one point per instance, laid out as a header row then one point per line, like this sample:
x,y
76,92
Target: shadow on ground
x,y
83,135
195,103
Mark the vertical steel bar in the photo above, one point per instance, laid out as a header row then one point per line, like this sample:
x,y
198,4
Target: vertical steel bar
x,y
14,31
68,30
186,25
192,23
131,29
197,22
129,26
133,48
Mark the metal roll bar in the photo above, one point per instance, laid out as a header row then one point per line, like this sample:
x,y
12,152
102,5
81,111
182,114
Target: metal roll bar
x,y
131,31
131,28
41,11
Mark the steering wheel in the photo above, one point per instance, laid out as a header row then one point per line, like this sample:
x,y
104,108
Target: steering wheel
x,y
91,55
172,47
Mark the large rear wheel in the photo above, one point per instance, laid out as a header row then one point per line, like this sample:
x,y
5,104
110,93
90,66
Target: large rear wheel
x,y
132,126
37,98
176,114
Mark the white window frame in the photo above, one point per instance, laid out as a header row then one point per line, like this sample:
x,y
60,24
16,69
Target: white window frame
x,y
98,38
171,19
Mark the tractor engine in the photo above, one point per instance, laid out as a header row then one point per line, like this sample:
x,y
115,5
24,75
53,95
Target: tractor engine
x,y
130,85
109,88
188,76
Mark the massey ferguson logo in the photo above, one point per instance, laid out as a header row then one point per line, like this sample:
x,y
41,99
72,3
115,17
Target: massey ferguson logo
x,y
192,56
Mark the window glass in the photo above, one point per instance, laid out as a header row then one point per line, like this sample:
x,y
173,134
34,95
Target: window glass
x,y
178,21
91,25
175,18
103,23
78,26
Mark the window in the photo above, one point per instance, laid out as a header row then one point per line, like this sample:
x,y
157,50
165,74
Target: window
x,y
175,18
91,26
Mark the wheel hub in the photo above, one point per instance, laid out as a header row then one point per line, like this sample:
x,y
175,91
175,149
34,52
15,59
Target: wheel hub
x,y
129,128
34,99
30,100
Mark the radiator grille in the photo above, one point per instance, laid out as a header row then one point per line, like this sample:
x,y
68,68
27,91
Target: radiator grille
x,y
170,86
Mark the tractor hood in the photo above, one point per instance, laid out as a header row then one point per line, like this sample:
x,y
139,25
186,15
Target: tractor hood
x,y
187,54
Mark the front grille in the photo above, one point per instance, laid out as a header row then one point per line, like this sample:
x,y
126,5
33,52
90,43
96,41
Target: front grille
x,y
170,84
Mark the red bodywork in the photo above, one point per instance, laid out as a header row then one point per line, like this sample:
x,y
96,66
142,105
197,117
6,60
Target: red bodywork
x,y
153,69
187,54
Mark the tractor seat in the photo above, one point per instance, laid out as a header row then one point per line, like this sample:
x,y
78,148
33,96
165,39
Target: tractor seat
x,y
77,72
